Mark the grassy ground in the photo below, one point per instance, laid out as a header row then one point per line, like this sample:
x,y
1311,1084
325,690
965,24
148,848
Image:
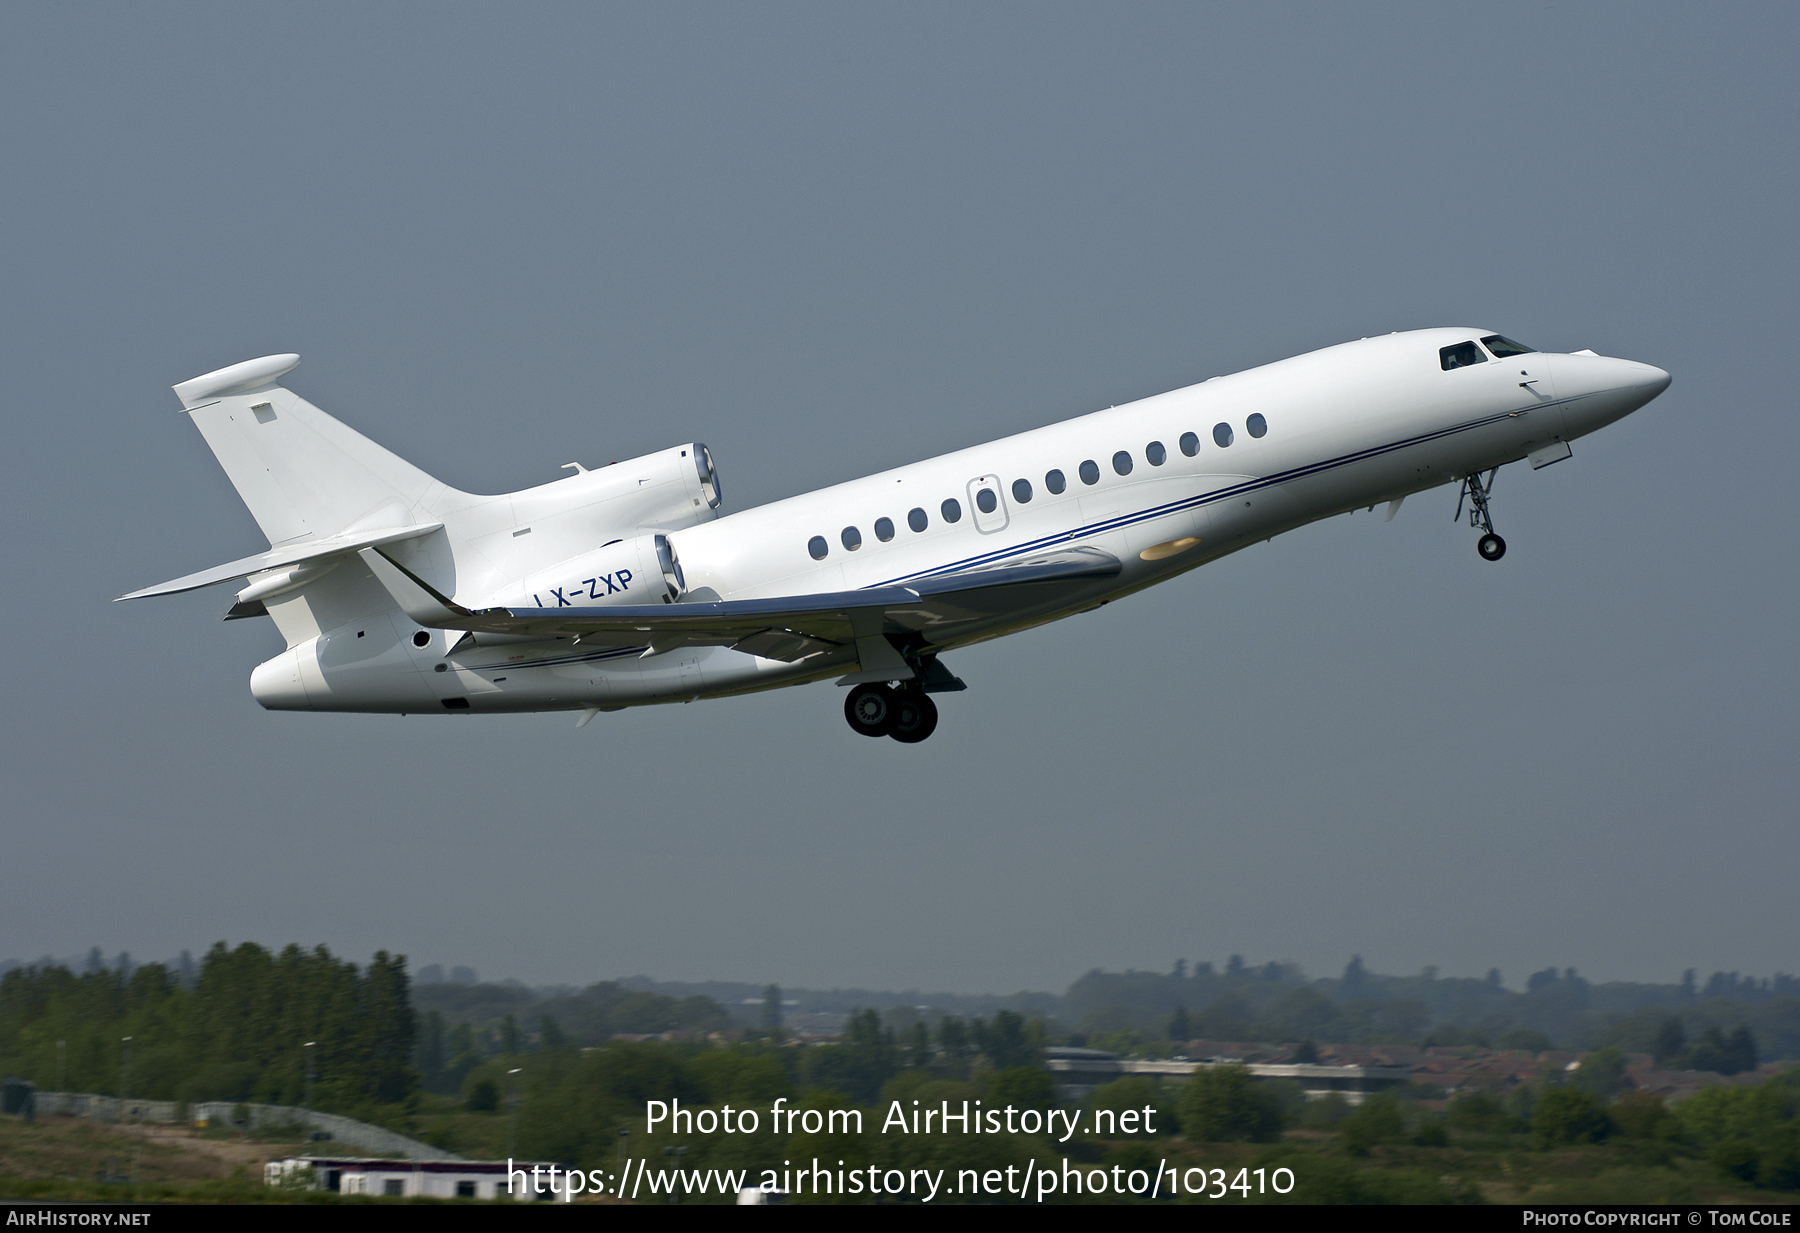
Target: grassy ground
x,y
62,1158
1498,1169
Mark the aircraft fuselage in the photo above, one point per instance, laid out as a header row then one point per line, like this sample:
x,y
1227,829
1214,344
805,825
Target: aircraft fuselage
x,y
1163,485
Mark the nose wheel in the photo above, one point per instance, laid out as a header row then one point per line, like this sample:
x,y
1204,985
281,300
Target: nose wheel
x,y
1476,491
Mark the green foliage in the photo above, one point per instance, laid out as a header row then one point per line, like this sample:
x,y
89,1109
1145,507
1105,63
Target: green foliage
x,y
743,1076
1726,1055
1301,1012
1455,1035
1736,1157
1377,1120
1670,1041
1602,1074
1223,1104
484,1097
238,1034
1326,1112
1752,1133
1007,1041
1334,1180
1643,1115
1566,1115
1479,1112
1431,1133
1022,1087
863,1059
1524,1040
1779,1165
1127,1095
918,1044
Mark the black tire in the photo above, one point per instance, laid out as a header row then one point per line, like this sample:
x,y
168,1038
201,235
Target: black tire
x,y
915,718
1491,547
870,710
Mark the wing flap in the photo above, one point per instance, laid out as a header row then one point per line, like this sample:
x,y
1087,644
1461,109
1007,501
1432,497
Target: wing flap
x,y
787,627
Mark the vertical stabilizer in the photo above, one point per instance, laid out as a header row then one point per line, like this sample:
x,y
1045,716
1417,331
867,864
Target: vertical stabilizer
x,y
303,474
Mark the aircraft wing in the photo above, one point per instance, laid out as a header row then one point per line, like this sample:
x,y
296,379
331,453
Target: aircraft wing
x,y
789,627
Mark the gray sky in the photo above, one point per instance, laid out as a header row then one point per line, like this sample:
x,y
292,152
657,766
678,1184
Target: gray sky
x,y
831,239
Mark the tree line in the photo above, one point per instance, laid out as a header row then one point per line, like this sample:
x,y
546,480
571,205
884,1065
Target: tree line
x,y
1277,1002
251,1026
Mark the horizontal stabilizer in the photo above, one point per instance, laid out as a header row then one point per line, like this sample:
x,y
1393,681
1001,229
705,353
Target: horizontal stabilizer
x,y
350,541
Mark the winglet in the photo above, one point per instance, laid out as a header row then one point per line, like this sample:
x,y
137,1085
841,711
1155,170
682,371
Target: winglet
x,y
416,597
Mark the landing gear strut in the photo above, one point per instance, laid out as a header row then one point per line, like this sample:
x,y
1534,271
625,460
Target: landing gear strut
x,y
1476,491
905,714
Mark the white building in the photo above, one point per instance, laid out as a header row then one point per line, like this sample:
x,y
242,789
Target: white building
x,y
437,1179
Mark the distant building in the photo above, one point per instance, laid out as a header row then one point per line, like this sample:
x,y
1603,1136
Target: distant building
x,y
436,1179
1077,1072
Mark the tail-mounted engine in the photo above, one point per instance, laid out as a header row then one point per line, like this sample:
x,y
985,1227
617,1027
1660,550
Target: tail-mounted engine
x,y
640,570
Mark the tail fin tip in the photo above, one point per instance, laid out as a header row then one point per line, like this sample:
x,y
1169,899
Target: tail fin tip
x,y
237,379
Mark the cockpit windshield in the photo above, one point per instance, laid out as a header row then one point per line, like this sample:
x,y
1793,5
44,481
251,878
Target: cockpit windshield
x,y
1462,355
1503,346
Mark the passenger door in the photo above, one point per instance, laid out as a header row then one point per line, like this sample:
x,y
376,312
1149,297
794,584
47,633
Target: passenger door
x,y
987,501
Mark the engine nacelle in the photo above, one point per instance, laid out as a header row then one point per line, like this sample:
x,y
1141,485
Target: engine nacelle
x,y
665,491
640,570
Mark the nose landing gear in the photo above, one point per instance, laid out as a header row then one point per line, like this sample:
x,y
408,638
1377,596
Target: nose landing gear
x,y
1476,490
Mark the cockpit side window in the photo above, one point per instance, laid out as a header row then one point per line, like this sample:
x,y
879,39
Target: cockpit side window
x,y
1460,356
1503,346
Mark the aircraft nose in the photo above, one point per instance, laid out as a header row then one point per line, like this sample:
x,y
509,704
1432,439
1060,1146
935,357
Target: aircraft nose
x,y
1650,379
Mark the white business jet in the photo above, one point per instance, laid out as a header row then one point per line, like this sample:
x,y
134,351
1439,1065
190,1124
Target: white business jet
x,y
624,585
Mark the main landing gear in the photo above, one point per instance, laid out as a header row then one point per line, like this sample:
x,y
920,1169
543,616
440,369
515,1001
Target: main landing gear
x,y
906,714
1476,491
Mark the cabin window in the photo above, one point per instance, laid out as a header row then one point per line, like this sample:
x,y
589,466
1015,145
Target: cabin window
x,y
818,547
1222,435
1460,356
1190,443
852,538
1122,462
1156,453
1090,472
986,501
1502,346
951,510
917,520
884,529
1021,490
465,1190
1257,425
1054,481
